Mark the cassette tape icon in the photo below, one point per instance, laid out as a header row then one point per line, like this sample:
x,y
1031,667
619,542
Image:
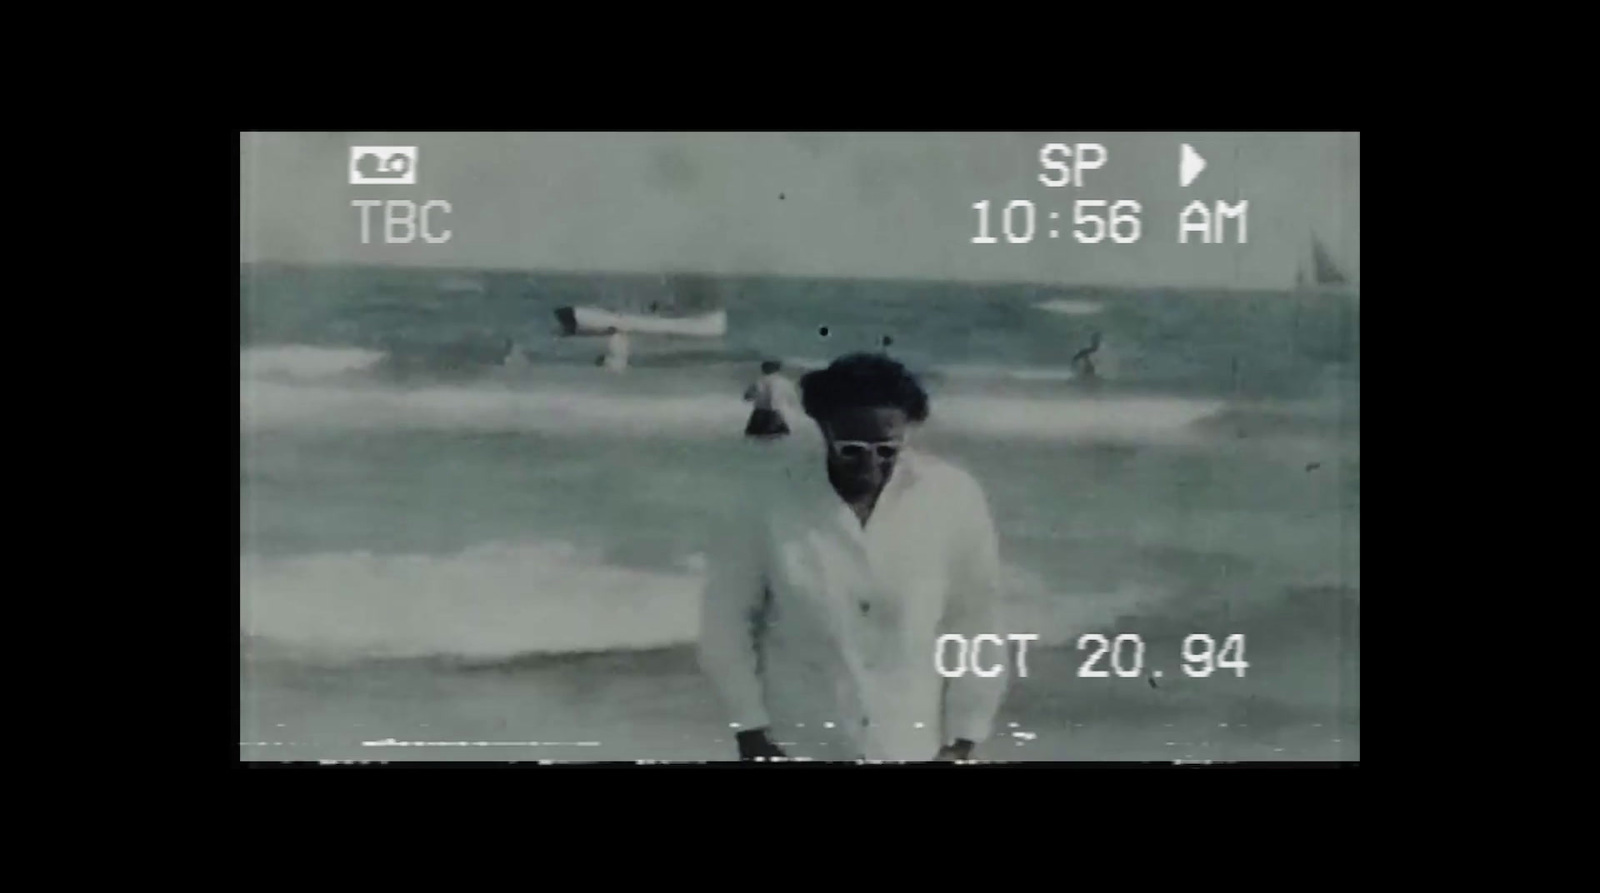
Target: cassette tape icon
x,y
383,165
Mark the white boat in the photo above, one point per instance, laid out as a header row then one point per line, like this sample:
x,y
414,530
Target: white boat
x,y
595,321
461,285
1070,307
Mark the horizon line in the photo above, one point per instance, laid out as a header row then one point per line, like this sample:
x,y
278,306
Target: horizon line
x,y
1288,287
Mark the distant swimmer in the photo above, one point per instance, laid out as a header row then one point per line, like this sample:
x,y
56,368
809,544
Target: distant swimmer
x,y
773,396
1081,362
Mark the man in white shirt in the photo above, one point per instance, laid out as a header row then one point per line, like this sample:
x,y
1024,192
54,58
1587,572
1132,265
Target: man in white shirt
x,y
827,598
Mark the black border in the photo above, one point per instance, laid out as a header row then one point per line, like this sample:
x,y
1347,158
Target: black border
x,y
828,767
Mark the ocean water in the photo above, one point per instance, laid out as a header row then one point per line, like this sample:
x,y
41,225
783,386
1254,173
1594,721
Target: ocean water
x,y
445,557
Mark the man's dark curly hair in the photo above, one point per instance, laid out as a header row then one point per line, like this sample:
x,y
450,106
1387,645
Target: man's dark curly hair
x,y
863,380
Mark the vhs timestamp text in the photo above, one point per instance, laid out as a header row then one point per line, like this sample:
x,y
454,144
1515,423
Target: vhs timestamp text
x,y
1125,656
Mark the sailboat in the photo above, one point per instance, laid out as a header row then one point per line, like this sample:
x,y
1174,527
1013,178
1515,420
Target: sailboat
x,y
1326,321
1324,274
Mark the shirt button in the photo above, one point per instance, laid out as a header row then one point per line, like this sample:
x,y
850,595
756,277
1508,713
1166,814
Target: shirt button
x,y
864,722
865,608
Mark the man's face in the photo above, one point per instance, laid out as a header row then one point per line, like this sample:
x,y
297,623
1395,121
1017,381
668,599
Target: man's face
x,y
863,447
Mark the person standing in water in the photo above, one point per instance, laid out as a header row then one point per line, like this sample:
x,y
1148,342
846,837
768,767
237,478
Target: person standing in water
x,y
773,395
826,599
616,356
1081,362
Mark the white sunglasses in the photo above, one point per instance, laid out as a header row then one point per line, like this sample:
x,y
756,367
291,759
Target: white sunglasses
x,y
855,449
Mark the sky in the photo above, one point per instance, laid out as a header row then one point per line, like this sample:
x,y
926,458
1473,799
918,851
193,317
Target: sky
x,y
848,205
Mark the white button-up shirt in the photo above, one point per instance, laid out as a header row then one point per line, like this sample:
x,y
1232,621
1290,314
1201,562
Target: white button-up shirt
x,y
825,632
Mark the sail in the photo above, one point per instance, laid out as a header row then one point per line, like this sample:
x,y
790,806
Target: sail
x,y
1327,273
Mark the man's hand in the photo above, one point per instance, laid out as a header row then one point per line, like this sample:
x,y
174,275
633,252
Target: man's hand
x,y
961,750
755,743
